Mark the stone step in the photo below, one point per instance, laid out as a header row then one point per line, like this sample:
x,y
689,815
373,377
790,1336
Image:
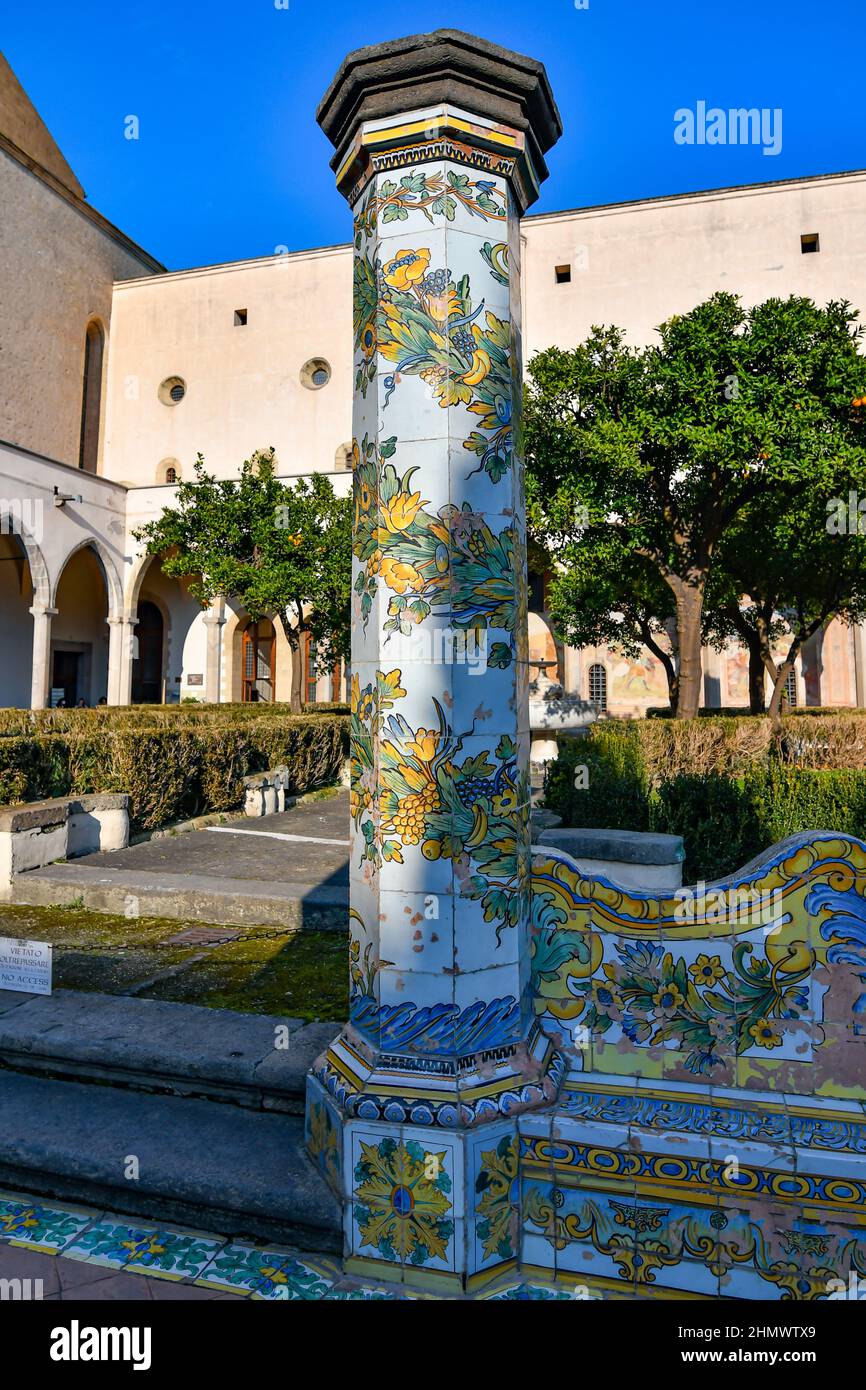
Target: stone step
x,y
218,1168
185,896
257,1061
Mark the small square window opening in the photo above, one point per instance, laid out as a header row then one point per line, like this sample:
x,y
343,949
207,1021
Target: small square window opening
x,y
563,275
240,318
809,243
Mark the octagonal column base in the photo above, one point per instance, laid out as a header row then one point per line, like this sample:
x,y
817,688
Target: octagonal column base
x,y
425,1164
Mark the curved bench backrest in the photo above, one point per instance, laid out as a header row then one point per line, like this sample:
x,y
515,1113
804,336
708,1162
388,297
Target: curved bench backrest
x,y
757,981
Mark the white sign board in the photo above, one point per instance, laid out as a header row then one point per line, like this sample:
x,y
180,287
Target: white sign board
x,y
25,965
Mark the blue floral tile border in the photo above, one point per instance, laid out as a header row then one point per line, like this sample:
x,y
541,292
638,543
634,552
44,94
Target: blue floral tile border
x,y
261,1273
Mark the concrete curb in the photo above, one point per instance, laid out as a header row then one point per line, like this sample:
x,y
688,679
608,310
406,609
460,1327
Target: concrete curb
x,y
214,1167
186,897
258,1061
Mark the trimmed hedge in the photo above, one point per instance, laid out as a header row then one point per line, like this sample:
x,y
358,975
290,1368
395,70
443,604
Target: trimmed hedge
x,y
730,791
172,768
23,722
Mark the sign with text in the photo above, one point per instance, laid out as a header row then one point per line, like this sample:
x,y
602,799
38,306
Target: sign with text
x,y
25,965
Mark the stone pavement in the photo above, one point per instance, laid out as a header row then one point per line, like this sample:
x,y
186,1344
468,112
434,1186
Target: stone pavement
x,y
73,1281
282,870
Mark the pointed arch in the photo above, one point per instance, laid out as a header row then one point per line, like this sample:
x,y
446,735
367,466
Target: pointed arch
x,y
39,577
113,586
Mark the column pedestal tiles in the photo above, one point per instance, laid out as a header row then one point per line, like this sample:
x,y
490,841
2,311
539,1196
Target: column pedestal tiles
x,y
411,1113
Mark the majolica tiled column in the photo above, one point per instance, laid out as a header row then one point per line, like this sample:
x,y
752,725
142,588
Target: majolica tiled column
x,y
439,149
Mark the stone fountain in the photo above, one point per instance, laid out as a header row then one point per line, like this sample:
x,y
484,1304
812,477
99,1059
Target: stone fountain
x,y
552,712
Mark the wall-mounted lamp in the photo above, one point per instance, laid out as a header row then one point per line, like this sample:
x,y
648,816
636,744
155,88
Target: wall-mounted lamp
x,y
60,498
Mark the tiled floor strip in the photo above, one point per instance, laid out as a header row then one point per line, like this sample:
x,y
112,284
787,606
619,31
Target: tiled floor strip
x,y
194,1258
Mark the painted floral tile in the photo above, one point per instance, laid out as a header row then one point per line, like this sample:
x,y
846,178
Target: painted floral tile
x,y
323,1133
366,1293
242,1268
296,1280
529,1293
27,1222
495,1227
402,1198
143,1249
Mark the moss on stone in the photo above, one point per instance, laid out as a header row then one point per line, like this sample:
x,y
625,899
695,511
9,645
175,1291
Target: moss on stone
x,y
299,974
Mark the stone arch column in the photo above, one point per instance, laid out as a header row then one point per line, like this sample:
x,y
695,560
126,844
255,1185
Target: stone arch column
x,y
93,652
40,609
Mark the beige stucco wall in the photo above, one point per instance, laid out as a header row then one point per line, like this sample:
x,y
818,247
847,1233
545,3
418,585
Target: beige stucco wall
x,y
633,264
636,264
243,383
59,268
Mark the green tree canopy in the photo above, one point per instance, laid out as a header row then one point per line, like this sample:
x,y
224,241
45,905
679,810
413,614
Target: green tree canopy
x,y
781,574
281,551
641,460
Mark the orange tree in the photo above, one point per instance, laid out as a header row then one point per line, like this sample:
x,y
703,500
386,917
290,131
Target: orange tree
x,y
281,551
639,461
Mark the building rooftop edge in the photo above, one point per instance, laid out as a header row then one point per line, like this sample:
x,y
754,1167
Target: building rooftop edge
x,y
343,246
69,195
724,189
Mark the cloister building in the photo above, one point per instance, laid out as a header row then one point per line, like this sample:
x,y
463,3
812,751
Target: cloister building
x,y
115,373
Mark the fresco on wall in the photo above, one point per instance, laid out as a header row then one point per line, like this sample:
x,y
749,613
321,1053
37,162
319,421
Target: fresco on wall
x,y
640,680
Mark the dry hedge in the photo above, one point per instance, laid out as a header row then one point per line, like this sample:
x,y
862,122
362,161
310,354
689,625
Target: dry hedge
x,y
172,768
834,739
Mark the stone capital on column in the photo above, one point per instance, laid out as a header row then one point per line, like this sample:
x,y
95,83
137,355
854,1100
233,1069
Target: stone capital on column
x,y
215,615
441,94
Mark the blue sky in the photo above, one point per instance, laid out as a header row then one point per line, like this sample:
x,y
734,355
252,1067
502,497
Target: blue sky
x,y
230,162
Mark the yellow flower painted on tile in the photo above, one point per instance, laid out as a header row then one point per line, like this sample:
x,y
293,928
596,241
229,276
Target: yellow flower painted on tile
x,y
400,576
407,268
423,745
668,999
389,686
17,1221
401,1201
368,339
506,801
707,970
401,511
766,1033
605,997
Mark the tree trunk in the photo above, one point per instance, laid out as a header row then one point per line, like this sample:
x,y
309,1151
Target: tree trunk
x,y
782,674
293,637
757,680
690,602
297,678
